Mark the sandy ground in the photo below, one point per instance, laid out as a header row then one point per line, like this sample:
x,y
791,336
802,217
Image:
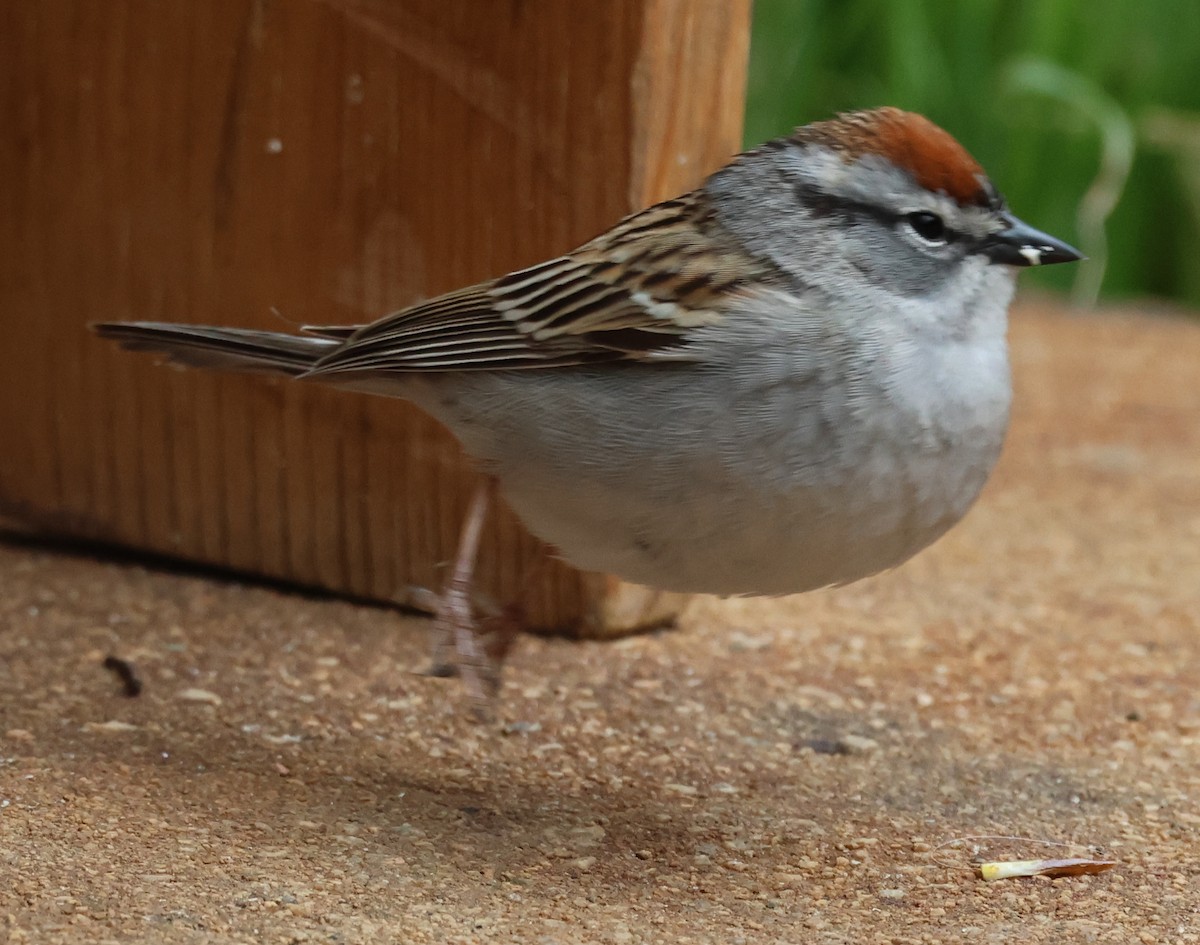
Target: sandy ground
x,y
773,771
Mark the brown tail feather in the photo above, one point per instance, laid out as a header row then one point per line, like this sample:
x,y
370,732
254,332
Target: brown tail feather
x,y
231,349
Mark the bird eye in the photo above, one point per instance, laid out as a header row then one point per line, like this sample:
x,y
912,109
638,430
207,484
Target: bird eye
x,y
929,226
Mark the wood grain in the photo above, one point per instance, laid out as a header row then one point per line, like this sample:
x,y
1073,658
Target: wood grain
x,y
258,163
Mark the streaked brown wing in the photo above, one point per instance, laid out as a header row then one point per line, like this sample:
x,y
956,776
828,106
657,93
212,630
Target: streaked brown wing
x,y
634,292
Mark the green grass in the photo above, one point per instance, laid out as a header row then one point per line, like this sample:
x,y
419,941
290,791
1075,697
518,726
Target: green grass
x,y
1054,97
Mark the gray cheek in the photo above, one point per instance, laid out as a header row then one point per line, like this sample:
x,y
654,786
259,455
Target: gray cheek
x,y
888,261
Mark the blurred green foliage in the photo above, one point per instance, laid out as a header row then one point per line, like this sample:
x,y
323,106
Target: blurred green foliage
x,y
1045,94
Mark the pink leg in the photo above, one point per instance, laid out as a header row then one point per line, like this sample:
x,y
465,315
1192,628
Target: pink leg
x,y
454,628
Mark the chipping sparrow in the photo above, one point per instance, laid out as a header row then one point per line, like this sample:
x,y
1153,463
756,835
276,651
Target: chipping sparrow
x,y
792,377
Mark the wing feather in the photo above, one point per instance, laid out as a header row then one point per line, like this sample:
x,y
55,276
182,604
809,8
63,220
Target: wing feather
x,y
636,292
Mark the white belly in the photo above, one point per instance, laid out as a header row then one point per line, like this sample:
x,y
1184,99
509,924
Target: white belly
x,y
790,476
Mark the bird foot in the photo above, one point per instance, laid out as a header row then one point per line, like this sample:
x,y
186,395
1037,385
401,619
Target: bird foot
x,y
471,638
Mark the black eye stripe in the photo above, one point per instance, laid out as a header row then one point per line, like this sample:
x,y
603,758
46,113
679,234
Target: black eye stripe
x,y
821,204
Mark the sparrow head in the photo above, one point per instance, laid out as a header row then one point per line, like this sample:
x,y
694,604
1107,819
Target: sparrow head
x,y
880,201
967,207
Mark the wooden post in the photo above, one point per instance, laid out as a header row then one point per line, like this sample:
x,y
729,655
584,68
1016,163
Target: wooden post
x,y
254,163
